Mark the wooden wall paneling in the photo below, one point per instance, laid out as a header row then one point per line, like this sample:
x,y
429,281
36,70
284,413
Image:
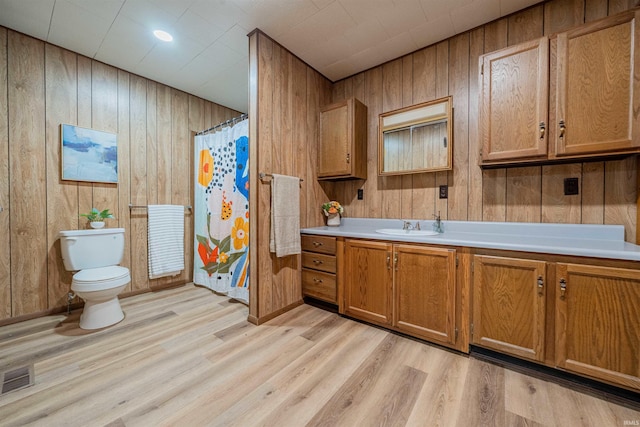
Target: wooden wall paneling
x,y
424,89
560,15
85,189
526,25
442,89
152,143
279,149
265,102
476,49
61,102
318,94
458,208
592,190
254,182
300,142
138,141
406,193
207,116
181,163
617,6
104,117
391,186
165,153
372,195
595,9
494,181
556,207
27,188
124,168
620,193
5,231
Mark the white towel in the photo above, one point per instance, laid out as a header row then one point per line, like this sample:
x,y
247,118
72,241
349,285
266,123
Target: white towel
x,y
284,237
166,240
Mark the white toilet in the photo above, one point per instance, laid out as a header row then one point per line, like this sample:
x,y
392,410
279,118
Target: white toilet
x,y
95,255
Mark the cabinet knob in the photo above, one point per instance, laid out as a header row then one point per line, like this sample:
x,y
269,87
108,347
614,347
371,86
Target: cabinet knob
x,y
540,284
542,129
563,288
562,128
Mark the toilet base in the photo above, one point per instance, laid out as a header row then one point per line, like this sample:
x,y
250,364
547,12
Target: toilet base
x,y
100,313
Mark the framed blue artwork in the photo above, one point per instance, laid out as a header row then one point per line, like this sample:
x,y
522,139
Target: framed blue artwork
x,y
88,154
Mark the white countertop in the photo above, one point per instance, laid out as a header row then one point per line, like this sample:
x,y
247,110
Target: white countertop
x,y
599,241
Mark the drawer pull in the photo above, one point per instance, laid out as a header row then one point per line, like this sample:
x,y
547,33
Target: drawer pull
x,y
540,284
317,280
317,262
563,287
316,244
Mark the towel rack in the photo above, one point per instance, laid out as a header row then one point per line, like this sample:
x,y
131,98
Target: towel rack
x,y
145,206
263,175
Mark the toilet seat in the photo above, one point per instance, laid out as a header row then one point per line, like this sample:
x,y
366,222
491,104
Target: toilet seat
x,y
102,278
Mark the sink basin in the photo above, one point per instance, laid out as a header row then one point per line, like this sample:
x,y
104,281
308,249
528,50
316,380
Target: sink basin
x,y
396,232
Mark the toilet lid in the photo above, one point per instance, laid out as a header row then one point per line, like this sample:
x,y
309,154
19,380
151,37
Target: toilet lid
x,y
100,274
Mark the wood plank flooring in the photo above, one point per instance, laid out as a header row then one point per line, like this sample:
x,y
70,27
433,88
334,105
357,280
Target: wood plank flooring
x,y
187,357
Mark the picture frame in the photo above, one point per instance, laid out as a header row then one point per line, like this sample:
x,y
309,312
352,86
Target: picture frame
x,y
88,155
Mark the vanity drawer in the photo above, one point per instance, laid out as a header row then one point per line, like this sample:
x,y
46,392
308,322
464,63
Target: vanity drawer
x,y
319,285
322,244
319,262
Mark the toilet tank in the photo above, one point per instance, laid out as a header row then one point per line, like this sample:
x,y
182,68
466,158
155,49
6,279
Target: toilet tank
x,y
82,249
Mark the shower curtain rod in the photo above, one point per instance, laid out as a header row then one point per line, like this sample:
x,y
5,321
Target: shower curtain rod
x,y
228,122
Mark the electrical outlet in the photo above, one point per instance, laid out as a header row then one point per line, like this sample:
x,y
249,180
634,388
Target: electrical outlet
x,y
444,192
571,186
360,194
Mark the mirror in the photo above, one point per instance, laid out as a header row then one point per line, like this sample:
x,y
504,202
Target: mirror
x,y
416,139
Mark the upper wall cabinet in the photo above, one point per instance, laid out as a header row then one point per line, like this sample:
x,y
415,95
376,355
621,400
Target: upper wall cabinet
x,y
415,139
591,96
342,153
513,109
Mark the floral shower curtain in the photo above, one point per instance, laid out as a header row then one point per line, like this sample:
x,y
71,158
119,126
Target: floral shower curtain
x,y
222,211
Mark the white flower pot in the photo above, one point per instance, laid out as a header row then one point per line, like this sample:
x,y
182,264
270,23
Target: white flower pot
x,y
333,220
96,224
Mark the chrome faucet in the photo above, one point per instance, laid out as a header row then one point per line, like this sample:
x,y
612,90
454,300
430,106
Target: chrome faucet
x,y
408,226
437,226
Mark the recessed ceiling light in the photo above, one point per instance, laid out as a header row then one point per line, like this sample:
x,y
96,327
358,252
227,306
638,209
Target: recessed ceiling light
x,y
163,35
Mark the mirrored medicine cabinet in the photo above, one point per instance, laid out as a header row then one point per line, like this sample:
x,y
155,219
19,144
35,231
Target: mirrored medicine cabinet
x,y
416,139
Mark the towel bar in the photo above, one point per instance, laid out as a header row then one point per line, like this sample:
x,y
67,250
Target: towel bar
x,y
263,175
145,206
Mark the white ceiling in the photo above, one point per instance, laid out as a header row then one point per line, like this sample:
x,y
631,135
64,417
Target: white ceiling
x,y
209,54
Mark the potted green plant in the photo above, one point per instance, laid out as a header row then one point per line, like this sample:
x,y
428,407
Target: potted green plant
x,y
96,217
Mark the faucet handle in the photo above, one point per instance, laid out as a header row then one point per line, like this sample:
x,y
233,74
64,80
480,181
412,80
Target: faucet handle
x,y
406,225
417,226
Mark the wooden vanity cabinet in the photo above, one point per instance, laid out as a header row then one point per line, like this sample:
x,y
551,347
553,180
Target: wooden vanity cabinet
x,y
585,78
319,268
342,151
598,322
409,288
368,281
424,292
509,303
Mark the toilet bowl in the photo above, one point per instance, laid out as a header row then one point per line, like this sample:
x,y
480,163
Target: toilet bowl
x,y
94,254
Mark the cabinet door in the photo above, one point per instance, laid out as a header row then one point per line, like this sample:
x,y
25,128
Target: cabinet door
x,y
368,281
334,153
425,292
598,322
597,87
509,305
514,102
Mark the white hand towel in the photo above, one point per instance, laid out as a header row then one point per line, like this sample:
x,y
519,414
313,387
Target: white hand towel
x,y
285,215
165,240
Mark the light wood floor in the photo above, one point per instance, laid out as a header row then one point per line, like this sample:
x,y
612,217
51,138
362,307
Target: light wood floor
x,y
186,357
